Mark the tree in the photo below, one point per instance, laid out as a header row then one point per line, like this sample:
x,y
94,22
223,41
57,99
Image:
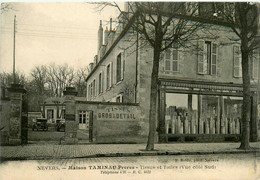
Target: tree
x,y
6,79
79,81
243,20
39,79
162,25
58,78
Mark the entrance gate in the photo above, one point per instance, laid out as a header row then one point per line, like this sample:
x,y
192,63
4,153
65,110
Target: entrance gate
x,y
24,122
86,122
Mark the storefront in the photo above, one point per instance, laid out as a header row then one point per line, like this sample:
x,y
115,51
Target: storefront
x,y
202,111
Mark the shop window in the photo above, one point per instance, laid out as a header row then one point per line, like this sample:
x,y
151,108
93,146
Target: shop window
x,y
202,114
181,113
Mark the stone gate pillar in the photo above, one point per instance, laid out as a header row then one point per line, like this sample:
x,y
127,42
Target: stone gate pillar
x,y
71,125
15,93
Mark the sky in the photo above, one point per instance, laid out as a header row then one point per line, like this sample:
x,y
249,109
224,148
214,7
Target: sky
x,y
51,32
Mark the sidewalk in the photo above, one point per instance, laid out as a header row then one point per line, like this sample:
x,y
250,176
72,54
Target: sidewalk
x,y
53,151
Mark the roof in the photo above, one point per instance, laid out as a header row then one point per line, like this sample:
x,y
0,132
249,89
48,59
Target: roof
x,y
53,100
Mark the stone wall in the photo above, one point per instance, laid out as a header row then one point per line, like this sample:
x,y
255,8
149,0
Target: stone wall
x,y
11,115
115,122
4,120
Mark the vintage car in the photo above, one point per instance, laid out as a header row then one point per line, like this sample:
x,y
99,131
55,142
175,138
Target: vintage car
x,y
40,123
60,125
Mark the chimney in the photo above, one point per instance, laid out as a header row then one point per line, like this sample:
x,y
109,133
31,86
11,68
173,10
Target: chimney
x,y
100,36
96,60
110,24
91,66
106,36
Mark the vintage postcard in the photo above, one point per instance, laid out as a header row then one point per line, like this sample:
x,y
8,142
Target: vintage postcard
x,y
130,90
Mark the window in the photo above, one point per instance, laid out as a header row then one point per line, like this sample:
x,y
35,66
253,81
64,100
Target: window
x,y
214,59
63,114
89,91
82,117
50,114
171,59
207,57
119,98
94,88
108,76
120,67
100,83
237,62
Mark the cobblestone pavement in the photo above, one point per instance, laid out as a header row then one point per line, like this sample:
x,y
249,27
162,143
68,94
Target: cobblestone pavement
x,y
46,151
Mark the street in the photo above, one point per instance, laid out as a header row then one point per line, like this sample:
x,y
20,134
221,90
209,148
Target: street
x,y
52,136
221,166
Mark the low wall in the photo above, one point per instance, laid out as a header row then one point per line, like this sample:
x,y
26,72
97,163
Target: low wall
x,y
5,106
114,122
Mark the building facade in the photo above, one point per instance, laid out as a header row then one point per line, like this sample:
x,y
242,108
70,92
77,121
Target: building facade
x,y
199,89
53,109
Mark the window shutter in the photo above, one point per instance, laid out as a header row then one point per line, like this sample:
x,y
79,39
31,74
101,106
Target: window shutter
x,y
237,61
253,66
201,57
167,60
175,59
214,59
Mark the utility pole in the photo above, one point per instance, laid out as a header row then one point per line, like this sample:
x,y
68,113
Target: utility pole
x,y
14,51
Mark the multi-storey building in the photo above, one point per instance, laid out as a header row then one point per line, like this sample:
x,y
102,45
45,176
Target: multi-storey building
x,y
199,90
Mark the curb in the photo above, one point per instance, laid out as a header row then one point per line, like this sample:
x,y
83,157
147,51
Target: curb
x,y
160,153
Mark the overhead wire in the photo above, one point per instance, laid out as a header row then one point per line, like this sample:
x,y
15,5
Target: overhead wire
x,y
51,33
85,28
